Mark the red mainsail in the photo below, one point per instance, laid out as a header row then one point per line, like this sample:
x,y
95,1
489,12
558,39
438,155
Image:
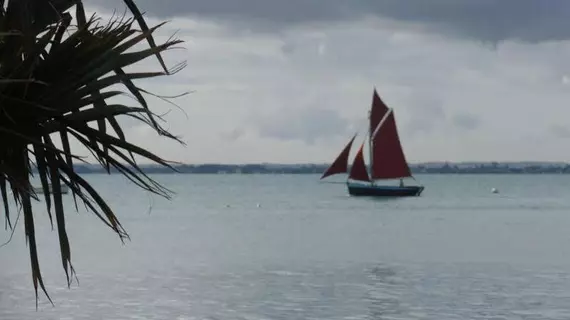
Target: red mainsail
x,y
377,111
389,161
340,165
358,170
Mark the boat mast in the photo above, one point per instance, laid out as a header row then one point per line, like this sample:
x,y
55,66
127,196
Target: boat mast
x,y
377,111
370,153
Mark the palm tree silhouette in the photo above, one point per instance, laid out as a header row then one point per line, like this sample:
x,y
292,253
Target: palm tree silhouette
x,y
56,78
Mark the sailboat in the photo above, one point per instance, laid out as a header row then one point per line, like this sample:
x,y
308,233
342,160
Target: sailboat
x,y
386,157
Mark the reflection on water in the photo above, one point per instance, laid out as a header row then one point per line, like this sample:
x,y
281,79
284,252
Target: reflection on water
x,y
383,293
377,291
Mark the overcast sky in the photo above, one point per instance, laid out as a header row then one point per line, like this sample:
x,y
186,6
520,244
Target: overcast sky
x,y
291,81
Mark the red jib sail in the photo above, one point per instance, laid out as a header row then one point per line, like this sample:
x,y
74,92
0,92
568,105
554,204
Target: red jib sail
x,y
358,170
377,111
389,161
340,165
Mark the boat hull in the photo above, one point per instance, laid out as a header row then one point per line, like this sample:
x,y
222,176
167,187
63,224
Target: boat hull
x,y
384,191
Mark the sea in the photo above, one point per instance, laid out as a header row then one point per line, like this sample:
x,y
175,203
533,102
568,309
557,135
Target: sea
x,y
290,247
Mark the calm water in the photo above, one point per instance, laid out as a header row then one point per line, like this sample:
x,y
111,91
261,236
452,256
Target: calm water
x,y
308,251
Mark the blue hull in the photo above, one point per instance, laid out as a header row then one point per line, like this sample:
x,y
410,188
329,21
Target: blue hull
x,y
384,191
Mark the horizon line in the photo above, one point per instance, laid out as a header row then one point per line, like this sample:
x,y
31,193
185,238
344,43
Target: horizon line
x,y
176,163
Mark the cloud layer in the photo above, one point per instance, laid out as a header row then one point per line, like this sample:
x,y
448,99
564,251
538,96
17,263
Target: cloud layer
x,y
296,83
486,20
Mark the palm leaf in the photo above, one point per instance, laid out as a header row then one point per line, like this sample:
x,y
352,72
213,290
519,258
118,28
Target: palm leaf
x,y
55,79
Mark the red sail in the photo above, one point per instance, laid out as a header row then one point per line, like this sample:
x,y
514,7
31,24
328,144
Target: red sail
x,y
377,111
389,161
340,165
358,170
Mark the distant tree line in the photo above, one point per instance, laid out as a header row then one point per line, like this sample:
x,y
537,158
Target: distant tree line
x,y
445,168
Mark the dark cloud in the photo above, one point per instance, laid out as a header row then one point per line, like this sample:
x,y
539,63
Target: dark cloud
x,y
233,135
484,20
466,121
560,131
426,114
307,125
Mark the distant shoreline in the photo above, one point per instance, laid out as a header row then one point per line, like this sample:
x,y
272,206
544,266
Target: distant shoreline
x,y
421,168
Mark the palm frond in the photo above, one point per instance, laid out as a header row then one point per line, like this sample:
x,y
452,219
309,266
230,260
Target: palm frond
x,y
56,79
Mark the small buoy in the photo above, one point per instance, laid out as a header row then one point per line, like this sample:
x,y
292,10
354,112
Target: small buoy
x,y
494,190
